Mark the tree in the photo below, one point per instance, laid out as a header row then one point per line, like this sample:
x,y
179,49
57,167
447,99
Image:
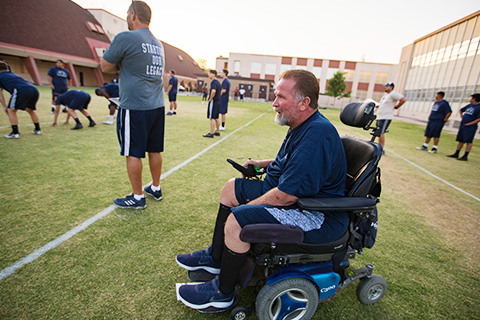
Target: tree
x,y
336,86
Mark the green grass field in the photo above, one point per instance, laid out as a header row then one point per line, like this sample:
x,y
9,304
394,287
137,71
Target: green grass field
x,y
123,266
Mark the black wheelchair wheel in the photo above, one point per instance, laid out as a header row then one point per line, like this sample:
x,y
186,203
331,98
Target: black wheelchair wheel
x,y
293,298
371,289
239,313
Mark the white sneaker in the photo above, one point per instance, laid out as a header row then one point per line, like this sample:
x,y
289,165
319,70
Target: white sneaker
x,y
12,135
39,132
221,128
108,122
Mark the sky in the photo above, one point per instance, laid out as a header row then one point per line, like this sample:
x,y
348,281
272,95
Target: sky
x,y
355,30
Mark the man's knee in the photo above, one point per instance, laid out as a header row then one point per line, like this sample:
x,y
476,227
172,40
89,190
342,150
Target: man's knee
x,y
232,228
227,196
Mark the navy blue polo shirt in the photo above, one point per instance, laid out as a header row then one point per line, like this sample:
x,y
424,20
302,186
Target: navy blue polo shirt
x,y
226,86
471,112
10,81
215,85
311,161
73,99
174,83
60,78
439,110
112,90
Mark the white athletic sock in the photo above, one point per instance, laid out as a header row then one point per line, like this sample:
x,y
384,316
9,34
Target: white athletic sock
x,y
155,188
138,197
435,147
110,118
425,145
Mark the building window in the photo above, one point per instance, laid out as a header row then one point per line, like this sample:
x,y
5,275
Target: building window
x,y
331,72
95,27
381,77
270,68
237,67
349,74
377,96
362,94
285,67
317,71
365,76
256,67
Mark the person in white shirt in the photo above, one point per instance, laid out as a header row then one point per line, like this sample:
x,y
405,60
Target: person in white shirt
x,y
390,101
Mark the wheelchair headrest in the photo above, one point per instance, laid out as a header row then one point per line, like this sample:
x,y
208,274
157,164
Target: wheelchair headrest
x,y
358,114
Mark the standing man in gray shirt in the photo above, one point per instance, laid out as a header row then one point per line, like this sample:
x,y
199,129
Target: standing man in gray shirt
x,y
139,57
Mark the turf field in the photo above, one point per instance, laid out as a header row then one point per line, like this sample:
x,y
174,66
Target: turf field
x,y
123,266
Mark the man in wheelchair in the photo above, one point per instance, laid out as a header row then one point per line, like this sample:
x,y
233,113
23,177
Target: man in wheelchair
x,y
311,163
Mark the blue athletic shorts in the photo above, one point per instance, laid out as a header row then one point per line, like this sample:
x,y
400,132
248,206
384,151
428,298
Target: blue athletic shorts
x,y
172,96
318,227
383,125
213,109
223,107
140,131
58,91
434,128
26,97
466,133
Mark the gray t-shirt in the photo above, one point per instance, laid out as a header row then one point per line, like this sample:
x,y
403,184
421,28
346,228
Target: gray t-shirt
x,y
141,59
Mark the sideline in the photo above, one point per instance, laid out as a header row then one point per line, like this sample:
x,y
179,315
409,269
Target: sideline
x,y
54,243
417,166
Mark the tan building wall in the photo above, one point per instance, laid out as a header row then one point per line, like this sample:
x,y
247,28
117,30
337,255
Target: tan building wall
x,y
446,60
111,24
256,89
364,79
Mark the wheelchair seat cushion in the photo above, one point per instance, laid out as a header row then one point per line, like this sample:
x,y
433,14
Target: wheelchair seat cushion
x,y
306,248
318,227
267,233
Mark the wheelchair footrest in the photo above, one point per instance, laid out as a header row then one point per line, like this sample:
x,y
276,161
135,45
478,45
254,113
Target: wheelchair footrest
x,y
200,276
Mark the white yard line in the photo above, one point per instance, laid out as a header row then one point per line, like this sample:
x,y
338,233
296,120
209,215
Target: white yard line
x,y
54,243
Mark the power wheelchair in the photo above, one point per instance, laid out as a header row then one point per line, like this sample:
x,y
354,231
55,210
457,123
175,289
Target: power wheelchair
x,y
292,277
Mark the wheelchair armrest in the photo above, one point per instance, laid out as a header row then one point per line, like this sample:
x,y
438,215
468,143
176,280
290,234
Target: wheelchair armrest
x,y
349,204
266,233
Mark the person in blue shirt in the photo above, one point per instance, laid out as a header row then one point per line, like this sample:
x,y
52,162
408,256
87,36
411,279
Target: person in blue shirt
x,y
74,100
172,93
213,109
468,127
224,97
24,96
139,56
311,163
59,80
439,115
109,91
